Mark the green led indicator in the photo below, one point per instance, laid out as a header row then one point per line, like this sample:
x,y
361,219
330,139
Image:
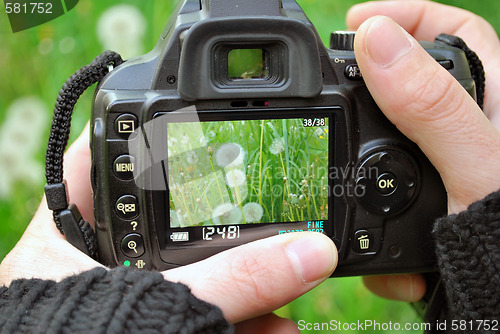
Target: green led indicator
x,y
126,263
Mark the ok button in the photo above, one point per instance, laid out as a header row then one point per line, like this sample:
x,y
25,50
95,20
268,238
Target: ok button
x,y
386,184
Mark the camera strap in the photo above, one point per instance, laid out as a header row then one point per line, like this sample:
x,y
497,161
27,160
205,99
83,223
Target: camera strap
x,y
475,64
67,217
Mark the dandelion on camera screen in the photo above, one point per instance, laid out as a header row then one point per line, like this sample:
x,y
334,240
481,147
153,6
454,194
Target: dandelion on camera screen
x,y
247,172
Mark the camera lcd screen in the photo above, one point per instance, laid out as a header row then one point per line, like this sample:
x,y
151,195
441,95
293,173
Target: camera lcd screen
x,y
252,171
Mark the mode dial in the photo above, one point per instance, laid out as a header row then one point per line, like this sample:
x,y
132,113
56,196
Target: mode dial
x,y
342,40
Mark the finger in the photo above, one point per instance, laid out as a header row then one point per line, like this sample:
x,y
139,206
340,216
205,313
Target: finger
x,y
259,277
431,108
267,324
425,20
408,288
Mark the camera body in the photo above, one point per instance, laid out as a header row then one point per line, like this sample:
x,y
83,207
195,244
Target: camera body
x,y
241,125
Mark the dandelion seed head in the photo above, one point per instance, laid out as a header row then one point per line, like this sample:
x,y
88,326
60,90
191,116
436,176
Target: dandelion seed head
x,y
45,46
226,214
184,140
20,139
192,157
229,155
121,29
252,212
66,45
277,146
174,219
172,141
235,178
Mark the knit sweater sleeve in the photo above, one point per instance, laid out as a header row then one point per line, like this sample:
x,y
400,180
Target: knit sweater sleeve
x,y
468,255
106,301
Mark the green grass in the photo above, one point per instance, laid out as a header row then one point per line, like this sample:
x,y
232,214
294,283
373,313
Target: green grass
x,y
26,71
275,165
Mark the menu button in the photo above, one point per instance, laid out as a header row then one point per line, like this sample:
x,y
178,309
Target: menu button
x,y
124,166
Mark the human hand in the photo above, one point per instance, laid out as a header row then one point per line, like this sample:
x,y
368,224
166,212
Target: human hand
x,y
431,108
246,282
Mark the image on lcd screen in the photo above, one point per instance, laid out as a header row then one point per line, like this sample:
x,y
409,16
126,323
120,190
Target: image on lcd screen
x,y
248,171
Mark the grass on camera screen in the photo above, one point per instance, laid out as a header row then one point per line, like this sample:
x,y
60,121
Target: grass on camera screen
x,y
248,171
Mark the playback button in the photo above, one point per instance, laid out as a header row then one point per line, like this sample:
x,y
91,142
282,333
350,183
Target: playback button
x,y
125,125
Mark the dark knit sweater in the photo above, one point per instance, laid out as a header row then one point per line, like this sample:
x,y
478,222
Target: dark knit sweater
x,y
126,301
468,254
106,301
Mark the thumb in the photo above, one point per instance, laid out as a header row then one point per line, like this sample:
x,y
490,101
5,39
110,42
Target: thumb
x,y
431,108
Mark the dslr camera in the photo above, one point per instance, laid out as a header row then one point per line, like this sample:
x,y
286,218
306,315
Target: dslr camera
x,y
241,125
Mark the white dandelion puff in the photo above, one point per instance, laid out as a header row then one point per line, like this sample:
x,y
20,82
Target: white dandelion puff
x,y
121,28
235,178
184,140
174,219
192,157
277,146
229,155
253,212
172,141
226,214
319,131
45,46
20,139
210,134
66,45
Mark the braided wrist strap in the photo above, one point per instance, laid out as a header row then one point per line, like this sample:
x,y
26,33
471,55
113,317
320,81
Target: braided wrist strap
x,y
66,216
475,64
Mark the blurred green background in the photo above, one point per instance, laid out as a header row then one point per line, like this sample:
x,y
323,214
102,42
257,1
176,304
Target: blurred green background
x,y
35,63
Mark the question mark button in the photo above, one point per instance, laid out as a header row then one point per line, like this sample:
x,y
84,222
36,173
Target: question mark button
x,y
134,224
132,245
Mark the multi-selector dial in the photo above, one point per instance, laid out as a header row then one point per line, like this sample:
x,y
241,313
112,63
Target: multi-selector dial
x,y
389,179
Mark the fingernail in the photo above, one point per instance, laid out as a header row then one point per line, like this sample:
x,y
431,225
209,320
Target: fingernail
x,y
386,42
314,257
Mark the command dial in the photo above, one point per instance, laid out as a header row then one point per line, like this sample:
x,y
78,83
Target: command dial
x,y
342,40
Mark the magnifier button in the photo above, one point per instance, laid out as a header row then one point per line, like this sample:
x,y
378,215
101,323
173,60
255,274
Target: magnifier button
x,y
126,207
133,245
